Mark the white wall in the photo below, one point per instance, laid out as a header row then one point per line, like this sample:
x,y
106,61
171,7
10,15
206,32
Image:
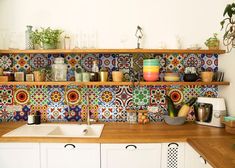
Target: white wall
x,y
116,20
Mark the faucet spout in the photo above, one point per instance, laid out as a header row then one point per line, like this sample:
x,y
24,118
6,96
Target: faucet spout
x,y
88,111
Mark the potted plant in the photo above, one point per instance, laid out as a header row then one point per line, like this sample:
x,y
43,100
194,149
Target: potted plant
x,y
39,75
213,42
46,37
229,24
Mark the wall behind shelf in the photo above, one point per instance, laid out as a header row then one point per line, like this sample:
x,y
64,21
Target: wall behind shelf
x,y
116,21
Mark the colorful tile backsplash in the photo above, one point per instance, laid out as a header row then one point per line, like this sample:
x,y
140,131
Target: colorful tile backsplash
x,y
107,103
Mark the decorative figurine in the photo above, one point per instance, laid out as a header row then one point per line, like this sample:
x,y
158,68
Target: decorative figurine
x,y
139,35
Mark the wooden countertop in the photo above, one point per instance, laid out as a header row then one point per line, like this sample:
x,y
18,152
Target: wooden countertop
x,y
219,152
214,144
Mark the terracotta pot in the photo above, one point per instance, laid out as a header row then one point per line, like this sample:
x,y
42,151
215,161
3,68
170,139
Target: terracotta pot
x,y
39,76
117,76
207,76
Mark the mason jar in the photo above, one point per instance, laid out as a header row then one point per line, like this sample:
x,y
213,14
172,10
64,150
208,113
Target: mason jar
x,y
59,70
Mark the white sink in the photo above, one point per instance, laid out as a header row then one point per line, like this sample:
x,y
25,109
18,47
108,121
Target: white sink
x,y
57,130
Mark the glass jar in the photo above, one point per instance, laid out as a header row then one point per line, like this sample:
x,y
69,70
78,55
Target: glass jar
x,y
59,70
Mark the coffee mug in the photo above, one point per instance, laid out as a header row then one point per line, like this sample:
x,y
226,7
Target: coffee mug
x,y
207,76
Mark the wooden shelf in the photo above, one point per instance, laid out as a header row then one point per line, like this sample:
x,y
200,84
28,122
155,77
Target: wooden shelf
x,y
114,83
159,51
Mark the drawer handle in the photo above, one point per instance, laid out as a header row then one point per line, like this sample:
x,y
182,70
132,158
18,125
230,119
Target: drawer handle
x,y
173,144
69,146
131,147
202,160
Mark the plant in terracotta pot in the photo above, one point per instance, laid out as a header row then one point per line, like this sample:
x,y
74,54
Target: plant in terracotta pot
x,y
39,74
213,42
46,38
228,23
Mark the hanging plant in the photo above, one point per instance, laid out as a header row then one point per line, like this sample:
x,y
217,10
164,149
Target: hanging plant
x,y
228,23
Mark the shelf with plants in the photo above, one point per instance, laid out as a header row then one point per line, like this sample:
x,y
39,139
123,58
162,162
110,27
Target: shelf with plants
x,y
117,51
115,83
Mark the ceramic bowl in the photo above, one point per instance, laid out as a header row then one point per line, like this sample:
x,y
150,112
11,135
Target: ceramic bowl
x,y
151,69
171,74
174,120
172,78
190,77
151,62
151,76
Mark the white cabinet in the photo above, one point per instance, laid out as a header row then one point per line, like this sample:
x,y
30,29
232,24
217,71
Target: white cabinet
x,y
193,159
173,155
25,155
130,155
60,155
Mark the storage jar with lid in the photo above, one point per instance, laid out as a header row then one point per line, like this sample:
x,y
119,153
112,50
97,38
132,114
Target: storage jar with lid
x,y
59,70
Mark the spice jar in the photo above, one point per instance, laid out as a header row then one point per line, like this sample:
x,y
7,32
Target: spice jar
x,y
59,70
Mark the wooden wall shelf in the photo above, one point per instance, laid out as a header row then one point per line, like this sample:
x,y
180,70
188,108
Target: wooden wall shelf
x,y
118,51
113,83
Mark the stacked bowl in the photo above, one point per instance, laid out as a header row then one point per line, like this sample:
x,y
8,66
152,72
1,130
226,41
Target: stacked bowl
x,y
151,70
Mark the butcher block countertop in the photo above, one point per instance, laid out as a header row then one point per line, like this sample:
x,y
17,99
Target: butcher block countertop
x,y
214,144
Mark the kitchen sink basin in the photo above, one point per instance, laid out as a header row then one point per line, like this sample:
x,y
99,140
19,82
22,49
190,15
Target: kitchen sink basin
x,y
57,130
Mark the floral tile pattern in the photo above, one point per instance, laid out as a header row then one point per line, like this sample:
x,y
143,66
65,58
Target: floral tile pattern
x,y
93,111
124,62
175,62
21,63
108,61
92,92
176,94
42,109
6,95
121,114
6,61
141,96
210,91
106,96
157,95
124,98
38,95
87,60
73,61
51,58
73,96
107,114
56,113
73,113
56,95
191,91
21,95
209,62
193,60
20,116
4,114
38,61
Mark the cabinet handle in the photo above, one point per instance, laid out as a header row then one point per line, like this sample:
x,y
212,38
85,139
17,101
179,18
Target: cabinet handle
x,y
69,146
173,144
131,147
203,160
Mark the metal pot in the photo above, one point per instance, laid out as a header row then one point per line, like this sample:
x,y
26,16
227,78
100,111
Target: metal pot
x,y
203,112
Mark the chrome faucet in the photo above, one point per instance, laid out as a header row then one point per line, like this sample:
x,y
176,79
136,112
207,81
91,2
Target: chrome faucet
x,y
88,110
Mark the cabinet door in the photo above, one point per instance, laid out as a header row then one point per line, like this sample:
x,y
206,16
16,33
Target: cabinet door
x,y
173,155
130,155
25,155
60,155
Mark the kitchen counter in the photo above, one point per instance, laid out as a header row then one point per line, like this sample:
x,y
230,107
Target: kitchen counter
x,y
214,144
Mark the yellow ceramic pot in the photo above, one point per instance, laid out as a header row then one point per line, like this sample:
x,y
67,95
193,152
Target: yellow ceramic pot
x,y
207,76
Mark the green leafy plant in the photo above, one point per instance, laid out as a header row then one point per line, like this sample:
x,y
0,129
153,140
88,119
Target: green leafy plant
x,y
228,23
46,37
212,42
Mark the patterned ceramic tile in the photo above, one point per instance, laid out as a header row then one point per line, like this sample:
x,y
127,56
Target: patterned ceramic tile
x,y
193,60
162,60
56,113
42,109
141,96
191,91
73,113
93,111
210,91
21,95
108,61
6,61
5,115
176,94
56,95
73,61
124,98
71,75
124,62
107,114
38,95
73,96
175,62
106,96
158,116
39,61
93,93
121,115
51,58
6,95
26,109
20,116
209,62
21,63
157,95
87,60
